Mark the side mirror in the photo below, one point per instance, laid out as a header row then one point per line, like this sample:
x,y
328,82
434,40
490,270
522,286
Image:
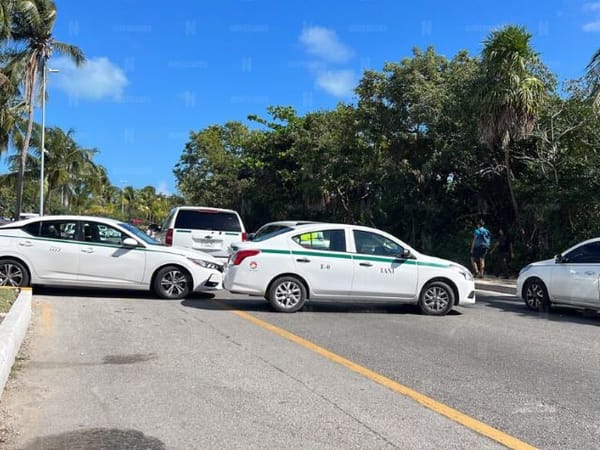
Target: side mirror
x,y
130,242
407,254
559,259
251,236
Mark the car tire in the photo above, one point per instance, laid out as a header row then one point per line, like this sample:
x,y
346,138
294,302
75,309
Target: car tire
x,y
287,294
436,299
535,295
13,273
172,282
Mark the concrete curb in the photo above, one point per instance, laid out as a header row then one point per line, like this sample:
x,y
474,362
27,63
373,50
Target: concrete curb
x,y
12,331
497,285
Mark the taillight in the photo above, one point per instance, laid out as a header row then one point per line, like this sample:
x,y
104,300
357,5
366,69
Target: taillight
x,y
242,255
169,237
244,236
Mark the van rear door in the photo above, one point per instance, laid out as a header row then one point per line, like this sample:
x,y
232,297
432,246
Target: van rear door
x,y
208,230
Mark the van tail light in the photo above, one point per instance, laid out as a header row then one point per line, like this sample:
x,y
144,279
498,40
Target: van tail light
x,y
169,237
242,255
244,236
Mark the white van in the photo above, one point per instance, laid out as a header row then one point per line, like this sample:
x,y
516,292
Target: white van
x,y
211,230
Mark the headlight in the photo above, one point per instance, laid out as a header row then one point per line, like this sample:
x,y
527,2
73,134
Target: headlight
x,y
206,264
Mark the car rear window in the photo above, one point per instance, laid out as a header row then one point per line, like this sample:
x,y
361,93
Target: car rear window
x,y
272,233
206,220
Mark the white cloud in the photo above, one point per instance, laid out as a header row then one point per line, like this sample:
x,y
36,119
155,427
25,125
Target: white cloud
x,y
594,9
339,83
595,6
97,79
163,188
592,27
324,43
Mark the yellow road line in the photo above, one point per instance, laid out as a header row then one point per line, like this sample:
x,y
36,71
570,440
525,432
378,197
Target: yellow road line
x,y
440,408
47,318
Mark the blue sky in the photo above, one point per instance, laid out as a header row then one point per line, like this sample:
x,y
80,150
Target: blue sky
x,y
157,70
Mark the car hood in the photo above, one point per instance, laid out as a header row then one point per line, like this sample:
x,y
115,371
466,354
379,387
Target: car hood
x,y
433,260
189,253
545,262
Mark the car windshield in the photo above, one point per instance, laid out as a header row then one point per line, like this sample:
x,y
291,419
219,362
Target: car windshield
x,y
140,234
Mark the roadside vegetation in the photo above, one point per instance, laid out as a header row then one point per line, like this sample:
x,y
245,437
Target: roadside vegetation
x,y
7,298
430,144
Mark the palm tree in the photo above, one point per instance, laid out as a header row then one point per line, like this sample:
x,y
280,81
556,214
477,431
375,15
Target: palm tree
x,y
510,96
6,11
32,25
593,76
69,167
12,110
130,196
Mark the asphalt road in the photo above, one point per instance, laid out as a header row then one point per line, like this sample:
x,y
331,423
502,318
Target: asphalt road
x,y
133,371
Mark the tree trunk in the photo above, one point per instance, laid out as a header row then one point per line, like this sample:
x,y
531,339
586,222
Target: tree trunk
x,y
25,150
513,198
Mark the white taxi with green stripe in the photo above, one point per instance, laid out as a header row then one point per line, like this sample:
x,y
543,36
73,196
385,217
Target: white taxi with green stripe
x,y
99,252
339,261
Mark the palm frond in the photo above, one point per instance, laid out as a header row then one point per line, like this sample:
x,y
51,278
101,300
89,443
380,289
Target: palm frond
x,y
71,51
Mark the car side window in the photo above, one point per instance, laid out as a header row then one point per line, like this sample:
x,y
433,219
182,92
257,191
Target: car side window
x,y
53,229
101,233
368,243
329,240
584,254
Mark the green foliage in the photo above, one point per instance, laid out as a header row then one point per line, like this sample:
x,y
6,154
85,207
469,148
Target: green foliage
x,y
409,156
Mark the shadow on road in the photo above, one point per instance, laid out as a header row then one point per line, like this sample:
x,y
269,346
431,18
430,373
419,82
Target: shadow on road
x,y
256,304
557,313
106,293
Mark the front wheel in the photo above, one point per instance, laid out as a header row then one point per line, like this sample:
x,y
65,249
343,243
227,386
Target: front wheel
x,y
287,294
13,273
172,282
535,295
437,299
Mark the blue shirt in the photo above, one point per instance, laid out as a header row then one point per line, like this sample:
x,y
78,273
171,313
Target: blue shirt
x,y
480,237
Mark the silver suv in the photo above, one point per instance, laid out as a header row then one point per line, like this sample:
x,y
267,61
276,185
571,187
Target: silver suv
x,y
211,230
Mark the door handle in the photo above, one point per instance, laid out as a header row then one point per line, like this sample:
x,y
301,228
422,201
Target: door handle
x,y
25,244
88,250
303,260
365,264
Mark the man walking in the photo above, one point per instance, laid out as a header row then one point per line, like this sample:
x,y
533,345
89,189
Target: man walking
x,y
479,247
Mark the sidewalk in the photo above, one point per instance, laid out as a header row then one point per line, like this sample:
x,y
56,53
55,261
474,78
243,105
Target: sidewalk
x,y
493,283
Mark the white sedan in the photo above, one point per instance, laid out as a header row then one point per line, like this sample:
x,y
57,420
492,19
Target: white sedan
x,y
571,278
338,261
101,253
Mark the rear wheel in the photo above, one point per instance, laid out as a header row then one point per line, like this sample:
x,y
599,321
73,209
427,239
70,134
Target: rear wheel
x,y
287,294
437,299
13,273
172,282
535,295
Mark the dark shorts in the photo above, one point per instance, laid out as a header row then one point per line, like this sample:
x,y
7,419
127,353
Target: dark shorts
x,y
479,252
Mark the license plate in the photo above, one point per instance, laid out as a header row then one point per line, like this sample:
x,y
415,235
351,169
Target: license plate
x,y
209,244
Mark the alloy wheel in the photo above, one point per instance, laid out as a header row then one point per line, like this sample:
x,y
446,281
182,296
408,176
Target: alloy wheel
x,y
288,294
174,283
436,299
11,275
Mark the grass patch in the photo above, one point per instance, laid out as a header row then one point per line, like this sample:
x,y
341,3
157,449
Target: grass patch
x,y
7,298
